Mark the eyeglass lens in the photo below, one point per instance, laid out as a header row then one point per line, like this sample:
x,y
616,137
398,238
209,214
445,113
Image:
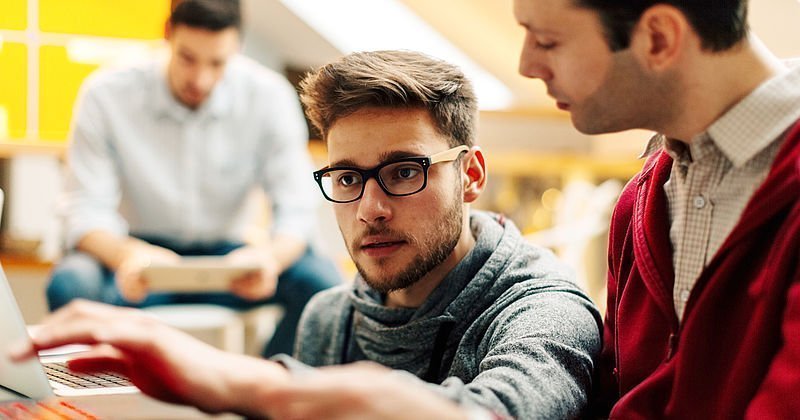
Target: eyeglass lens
x,y
400,178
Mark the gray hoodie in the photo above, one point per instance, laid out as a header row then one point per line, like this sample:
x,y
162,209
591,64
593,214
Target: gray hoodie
x,y
507,330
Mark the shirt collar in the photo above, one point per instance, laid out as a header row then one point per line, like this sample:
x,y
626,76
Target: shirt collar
x,y
675,149
655,143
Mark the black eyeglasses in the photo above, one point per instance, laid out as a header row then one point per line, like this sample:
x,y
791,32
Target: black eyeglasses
x,y
397,178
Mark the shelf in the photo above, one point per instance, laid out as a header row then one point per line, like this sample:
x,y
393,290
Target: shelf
x,y
11,148
14,260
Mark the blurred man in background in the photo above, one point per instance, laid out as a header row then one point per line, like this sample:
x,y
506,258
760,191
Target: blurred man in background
x,y
162,159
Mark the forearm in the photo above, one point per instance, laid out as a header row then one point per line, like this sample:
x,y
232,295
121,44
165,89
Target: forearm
x,y
250,385
359,390
109,248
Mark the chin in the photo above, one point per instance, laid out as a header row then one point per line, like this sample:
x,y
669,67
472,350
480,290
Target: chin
x,y
376,271
193,99
378,280
382,279
193,104
592,126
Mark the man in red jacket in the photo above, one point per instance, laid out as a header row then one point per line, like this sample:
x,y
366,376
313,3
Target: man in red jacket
x,y
704,281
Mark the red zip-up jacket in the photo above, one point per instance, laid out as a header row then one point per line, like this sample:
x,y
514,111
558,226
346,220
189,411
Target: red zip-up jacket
x,y
737,352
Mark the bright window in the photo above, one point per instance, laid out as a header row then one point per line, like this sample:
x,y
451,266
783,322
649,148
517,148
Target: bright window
x,y
368,25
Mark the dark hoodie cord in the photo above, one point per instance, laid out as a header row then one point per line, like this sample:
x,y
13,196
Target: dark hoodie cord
x,y
437,355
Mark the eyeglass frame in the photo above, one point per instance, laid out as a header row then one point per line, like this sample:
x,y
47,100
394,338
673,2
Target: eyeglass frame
x,y
425,162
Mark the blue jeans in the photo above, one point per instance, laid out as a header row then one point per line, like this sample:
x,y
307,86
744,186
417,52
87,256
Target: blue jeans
x,y
79,275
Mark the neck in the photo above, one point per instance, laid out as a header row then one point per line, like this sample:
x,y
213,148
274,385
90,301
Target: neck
x,y
415,295
716,82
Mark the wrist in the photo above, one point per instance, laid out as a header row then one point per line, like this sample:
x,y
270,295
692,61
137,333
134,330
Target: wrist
x,y
266,256
127,249
250,385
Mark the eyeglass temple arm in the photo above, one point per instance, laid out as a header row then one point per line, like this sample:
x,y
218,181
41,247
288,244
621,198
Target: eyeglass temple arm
x,y
448,155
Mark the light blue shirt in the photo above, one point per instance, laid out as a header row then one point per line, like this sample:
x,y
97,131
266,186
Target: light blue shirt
x,y
141,163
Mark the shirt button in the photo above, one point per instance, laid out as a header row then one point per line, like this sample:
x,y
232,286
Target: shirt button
x,y
699,202
684,295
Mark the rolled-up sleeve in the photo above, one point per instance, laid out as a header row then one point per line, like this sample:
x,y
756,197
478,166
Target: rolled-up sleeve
x,y
92,192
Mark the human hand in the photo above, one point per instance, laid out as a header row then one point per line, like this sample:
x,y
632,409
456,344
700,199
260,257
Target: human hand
x,y
128,274
358,391
162,362
259,284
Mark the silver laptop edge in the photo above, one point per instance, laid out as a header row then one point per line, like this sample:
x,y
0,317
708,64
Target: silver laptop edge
x,y
29,378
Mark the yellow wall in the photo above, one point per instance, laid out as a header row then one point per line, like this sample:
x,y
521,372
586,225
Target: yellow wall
x,y
14,87
14,14
139,19
60,78
59,82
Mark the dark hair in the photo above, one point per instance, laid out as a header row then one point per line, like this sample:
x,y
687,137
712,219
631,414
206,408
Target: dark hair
x,y
721,24
214,15
392,79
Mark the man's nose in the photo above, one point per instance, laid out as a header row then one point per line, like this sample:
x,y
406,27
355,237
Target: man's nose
x,y
532,63
203,79
374,203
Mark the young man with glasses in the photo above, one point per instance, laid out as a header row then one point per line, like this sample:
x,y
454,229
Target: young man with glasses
x,y
454,296
454,301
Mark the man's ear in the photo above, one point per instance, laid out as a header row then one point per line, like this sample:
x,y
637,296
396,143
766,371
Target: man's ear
x,y
167,30
475,170
660,36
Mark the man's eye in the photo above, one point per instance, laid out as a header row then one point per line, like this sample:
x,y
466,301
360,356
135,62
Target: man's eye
x,y
545,45
347,179
406,172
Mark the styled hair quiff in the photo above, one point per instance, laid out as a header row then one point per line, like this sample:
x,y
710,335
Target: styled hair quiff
x,y
392,79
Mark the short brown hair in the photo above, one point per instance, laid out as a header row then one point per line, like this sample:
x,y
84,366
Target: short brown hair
x,y
392,79
721,24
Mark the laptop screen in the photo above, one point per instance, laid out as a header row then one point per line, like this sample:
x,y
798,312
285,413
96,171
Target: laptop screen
x,y
26,378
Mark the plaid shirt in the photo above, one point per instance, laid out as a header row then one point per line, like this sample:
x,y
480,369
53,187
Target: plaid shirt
x,y
714,176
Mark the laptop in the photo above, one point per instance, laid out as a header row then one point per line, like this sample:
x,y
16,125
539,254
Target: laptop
x,y
48,375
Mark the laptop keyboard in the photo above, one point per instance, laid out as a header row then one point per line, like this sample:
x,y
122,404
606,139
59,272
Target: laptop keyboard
x,y
43,410
59,372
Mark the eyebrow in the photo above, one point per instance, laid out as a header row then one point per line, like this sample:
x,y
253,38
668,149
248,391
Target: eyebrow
x,y
384,157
